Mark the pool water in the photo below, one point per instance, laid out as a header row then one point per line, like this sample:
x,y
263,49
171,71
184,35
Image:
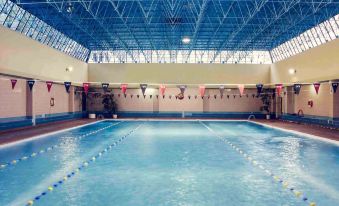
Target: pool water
x,y
184,163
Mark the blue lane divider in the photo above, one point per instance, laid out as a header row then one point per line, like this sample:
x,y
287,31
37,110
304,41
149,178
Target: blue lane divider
x,y
50,148
81,167
276,178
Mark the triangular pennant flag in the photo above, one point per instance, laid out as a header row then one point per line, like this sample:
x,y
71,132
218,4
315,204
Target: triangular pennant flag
x,y
195,96
119,95
259,88
13,82
138,96
215,96
123,88
150,96
241,89
170,96
316,87
234,96
105,87
202,89
131,95
221,90
86,87
189,96
278,88
143,88
297,88
334,86
157,96
182,88
30,84
67,86
49,85
253,95
228,96
162,90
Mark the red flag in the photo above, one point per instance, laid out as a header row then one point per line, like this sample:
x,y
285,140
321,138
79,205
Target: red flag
x,y
278,89
162,89
49,85
13,81
316,87
202,89
86,86
123,88
241,89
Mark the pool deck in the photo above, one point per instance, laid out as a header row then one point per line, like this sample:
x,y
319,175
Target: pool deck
x,y
13,135
327,133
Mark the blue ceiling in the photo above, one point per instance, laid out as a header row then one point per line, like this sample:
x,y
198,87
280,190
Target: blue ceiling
x,y
161,24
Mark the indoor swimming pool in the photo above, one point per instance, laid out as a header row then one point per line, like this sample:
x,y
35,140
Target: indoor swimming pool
x,y
181,163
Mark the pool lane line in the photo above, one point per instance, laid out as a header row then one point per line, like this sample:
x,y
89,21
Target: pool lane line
x,y
81,167
298,194
50,148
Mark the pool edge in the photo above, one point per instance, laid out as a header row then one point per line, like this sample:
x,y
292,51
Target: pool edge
x,y
10,144
311,136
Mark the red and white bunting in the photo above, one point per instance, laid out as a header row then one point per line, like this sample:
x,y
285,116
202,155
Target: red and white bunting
x,y
202,90
123,88
316,87
13,82
86,87
49,85
278,89
241,89
162,89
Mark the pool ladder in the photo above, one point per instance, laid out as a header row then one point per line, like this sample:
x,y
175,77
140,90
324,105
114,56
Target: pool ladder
x,y
251,117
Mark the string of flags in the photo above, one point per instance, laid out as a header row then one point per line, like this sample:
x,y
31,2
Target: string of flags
x,y
162,88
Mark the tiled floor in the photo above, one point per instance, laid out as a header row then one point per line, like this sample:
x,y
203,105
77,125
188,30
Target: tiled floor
x,y
13,135
309,129
27,132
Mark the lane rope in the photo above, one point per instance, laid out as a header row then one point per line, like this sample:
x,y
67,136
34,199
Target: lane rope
x,y
84,165
50,148
284,183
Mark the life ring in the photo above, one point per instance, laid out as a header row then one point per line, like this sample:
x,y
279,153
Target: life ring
x,y
300,113
180,96
51,102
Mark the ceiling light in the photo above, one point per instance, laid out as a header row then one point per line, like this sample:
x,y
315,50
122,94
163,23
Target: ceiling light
x,y
186,40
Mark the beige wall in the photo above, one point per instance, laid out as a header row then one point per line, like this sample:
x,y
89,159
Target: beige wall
x,y
20,101
22,56
316,64
12,102
324,103
231,104
41,99
180,73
